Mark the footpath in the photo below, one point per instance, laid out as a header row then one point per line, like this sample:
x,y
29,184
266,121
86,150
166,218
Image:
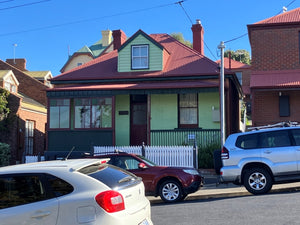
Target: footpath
x,y
212,190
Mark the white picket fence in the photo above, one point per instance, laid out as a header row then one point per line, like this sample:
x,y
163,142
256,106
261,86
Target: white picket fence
x,y
33,158
161,155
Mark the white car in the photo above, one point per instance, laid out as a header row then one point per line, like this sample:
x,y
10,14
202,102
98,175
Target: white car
x,y
81,191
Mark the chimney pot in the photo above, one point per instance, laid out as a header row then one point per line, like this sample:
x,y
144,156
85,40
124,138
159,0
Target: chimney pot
x,y
198,31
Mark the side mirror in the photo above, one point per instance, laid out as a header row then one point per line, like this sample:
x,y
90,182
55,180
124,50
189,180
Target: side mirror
x,y
142,166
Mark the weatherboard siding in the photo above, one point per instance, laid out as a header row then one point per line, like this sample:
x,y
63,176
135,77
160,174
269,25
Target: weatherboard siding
x,y
208,101
164,112
122,122
155,56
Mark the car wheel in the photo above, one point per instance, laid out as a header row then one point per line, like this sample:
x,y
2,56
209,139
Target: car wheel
x,y
258,181
170,191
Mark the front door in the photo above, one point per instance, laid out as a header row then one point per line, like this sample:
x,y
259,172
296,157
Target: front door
x,y
138,119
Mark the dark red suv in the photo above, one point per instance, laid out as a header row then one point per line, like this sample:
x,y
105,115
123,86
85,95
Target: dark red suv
x,y
170,183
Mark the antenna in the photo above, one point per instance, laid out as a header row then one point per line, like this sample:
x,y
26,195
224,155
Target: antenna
x,y
15,45
70,153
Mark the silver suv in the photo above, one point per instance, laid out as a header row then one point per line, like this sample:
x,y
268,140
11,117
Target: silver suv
x,y
261,157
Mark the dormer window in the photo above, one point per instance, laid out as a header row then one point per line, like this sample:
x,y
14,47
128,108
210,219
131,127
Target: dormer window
x,y
140,56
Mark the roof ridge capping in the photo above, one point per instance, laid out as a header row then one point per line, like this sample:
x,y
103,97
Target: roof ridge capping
x,y
285,17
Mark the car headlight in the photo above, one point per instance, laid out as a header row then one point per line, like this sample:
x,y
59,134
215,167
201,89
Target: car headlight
x,y
191,171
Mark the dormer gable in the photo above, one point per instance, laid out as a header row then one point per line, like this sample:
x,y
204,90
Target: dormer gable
x,y
141,53
8,81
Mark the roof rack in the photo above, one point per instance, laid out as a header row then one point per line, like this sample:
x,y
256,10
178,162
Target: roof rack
x,y
116,151
281,124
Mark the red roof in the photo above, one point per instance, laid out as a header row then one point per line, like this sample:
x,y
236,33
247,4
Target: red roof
x,y
275,79
141,86
233,64
286,17
182,61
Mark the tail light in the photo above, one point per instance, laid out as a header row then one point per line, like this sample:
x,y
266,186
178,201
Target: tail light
x,y
224,153
111,201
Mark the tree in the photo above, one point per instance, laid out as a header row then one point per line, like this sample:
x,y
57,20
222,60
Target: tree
x,y
239,55
179,37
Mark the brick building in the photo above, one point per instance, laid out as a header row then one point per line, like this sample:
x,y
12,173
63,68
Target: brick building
x,y
275,78
25,129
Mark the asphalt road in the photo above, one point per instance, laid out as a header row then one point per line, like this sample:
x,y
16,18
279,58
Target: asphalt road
x,y
270,209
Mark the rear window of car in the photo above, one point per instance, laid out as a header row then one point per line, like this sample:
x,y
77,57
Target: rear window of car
x,y
249,141
112,176
270,139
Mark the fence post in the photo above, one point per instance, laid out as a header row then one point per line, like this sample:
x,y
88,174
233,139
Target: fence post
x,y
143,149
195,155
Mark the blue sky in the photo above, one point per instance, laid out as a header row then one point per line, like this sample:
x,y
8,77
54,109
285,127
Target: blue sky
x,y
45,30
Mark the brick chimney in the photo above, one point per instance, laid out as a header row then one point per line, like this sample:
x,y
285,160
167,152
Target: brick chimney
x,y
119,38
198,31
18,63
106,37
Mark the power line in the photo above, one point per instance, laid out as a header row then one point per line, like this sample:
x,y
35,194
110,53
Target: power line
x,y
18,6
86,20
6,1
234,39
180,3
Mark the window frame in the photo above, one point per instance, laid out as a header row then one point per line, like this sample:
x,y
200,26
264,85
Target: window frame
x,y
60,113
188,125
91,123
140,56
29,137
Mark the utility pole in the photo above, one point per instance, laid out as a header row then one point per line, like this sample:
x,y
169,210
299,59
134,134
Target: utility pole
x,y
222,98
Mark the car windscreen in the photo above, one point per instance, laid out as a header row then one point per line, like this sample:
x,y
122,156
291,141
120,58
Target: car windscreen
x,y
146,160
112,176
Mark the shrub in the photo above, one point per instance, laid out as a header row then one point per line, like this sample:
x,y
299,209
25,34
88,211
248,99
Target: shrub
x,y
206,155
4,154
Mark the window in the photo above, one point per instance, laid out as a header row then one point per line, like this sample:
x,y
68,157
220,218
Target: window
x,y
22,189
59,113
188,110
93,113
284,106
59,186
296,135
275,139
79,64
10,85
140,57
247,141
29,136
239,76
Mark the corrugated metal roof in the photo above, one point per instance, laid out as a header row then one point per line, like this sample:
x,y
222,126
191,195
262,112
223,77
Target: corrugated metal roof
x,y
141,86
182,61
275,79
285,17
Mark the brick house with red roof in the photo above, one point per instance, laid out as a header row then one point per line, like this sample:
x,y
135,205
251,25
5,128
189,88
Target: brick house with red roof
x,y
150,88
25,129
275,78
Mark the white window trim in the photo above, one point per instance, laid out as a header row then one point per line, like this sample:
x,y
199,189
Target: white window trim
x,y
132,57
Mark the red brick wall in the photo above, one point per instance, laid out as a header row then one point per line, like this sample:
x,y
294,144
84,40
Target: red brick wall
x,y
40,121
265,107
275,47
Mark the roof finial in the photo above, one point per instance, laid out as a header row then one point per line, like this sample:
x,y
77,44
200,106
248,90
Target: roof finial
x,y
284,9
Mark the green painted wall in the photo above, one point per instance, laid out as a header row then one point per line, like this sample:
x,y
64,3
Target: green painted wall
x,y
122,122
164,113
155,56
206,103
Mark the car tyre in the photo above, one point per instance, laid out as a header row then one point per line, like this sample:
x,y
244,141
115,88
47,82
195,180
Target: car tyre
x,y
170,191
258,181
